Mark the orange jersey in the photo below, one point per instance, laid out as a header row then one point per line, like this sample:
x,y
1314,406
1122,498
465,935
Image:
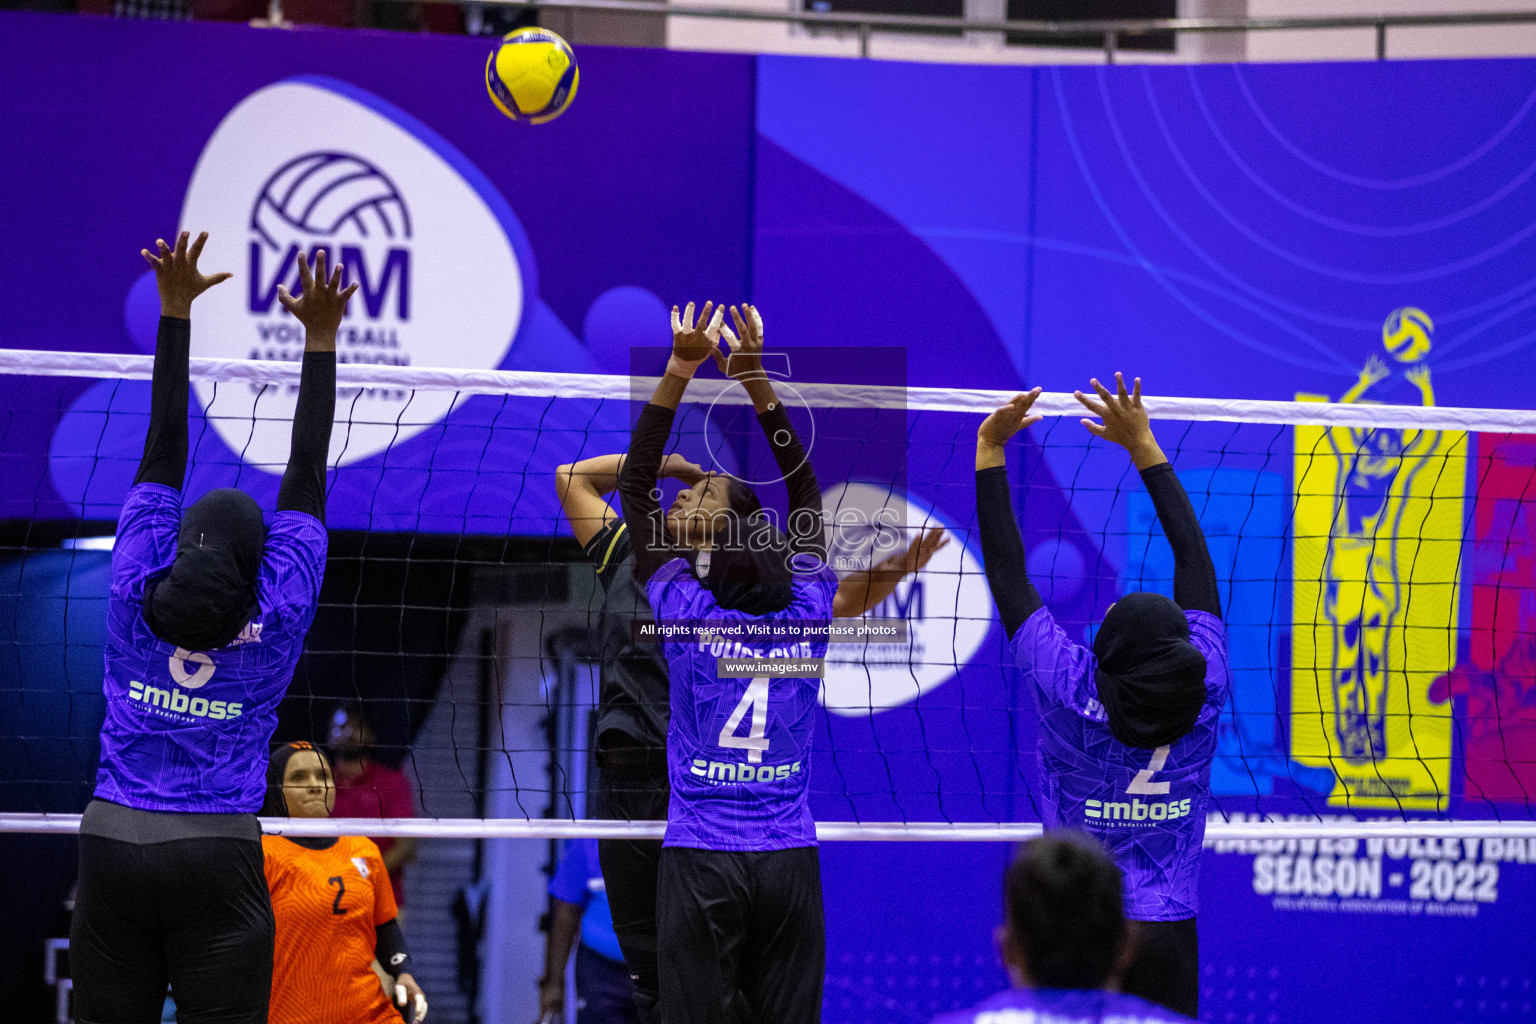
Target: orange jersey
x,y
327,904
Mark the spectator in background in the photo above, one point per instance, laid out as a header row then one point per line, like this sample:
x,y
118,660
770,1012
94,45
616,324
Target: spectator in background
x,y
367,789
604,993
1064,940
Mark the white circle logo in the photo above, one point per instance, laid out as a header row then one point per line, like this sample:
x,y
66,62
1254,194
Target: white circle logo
x,y
300,166
947,605
193,680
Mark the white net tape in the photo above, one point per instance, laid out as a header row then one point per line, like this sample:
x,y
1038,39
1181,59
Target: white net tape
x,y
600,387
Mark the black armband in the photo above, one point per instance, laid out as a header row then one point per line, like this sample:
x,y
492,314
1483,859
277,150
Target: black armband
x,y
390,949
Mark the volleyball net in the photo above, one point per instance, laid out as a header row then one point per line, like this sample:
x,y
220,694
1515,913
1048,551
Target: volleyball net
x,y
1376,563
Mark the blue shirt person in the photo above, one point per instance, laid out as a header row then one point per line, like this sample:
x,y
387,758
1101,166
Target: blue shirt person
x,y
604,993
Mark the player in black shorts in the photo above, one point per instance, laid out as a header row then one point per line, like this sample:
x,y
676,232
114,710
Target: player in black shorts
x,y
633,693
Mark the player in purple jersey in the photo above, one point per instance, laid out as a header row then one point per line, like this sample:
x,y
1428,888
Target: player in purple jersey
x,y
1128,729
739,915
205,622
633,695
1064,941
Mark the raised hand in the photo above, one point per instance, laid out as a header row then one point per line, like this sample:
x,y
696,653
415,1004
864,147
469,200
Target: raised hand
x,y
676,467
1418,375
409,997
321,304
1005,421
1375,371
694,341
746,344
1125,421
917,554
177,276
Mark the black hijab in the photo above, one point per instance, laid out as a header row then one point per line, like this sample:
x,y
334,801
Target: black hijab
x,y
276,806
209,595
750,572
1151,679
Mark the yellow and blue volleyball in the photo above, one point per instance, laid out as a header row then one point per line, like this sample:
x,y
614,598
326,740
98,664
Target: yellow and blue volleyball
x,y
1406,334
532,75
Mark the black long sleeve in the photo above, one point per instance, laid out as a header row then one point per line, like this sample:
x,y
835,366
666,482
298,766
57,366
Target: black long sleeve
x,y
303,486
807,532
389,948
1002,551
1194,577
637,490
165,444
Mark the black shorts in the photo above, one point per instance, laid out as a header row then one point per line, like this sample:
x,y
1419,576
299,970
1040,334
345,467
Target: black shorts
x,y
632,786
742,937
193,914
1166,967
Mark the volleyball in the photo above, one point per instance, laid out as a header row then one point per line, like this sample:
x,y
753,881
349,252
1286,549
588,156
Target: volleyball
x,y
532,75
1405,333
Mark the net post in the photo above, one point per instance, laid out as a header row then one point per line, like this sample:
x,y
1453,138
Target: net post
x,y
1109,45
1381,40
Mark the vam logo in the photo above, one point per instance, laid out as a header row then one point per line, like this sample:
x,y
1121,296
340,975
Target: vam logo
x,y
312,163
947,606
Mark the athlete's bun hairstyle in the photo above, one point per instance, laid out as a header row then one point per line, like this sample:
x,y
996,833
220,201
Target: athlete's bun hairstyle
x,y
1063,898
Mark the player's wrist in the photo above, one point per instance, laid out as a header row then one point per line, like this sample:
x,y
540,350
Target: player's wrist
x,y
684,368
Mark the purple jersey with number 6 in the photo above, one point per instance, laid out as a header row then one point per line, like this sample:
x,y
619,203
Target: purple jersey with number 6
x,y
738,750
1062,1006
187,731
1146,806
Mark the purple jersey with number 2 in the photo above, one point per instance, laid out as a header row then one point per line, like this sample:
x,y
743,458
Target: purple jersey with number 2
x,y
1062,1006
187,731
738,750
1146,806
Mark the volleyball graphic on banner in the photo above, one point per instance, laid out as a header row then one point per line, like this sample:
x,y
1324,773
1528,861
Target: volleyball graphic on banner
x,y
310,164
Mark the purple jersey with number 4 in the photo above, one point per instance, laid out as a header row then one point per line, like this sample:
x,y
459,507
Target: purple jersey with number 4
x,y
188,731
738,750
1146,806
1062,1006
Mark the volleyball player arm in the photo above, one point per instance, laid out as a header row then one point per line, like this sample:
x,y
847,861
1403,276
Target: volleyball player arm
x,y
179,282
692,343
319,308
564,926
1002,547
1194,576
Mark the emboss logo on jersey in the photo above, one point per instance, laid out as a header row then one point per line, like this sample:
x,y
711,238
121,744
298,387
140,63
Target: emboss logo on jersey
x,y
309,164
1135,810
724,771
179,703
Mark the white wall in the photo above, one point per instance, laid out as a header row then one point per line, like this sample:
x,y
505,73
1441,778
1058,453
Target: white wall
x,y
685,33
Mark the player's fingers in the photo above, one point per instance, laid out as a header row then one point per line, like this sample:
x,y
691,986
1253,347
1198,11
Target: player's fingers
x,y
688,318
288,301
730,338
219,278
1101,390
716,322
757,322
1090,404
1120,385
741,325
197,246
421,1007
151,260
351,291
165,250
677,323
1093,428
306,278
181,243
320,265
399,994
1136,392
1030,421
